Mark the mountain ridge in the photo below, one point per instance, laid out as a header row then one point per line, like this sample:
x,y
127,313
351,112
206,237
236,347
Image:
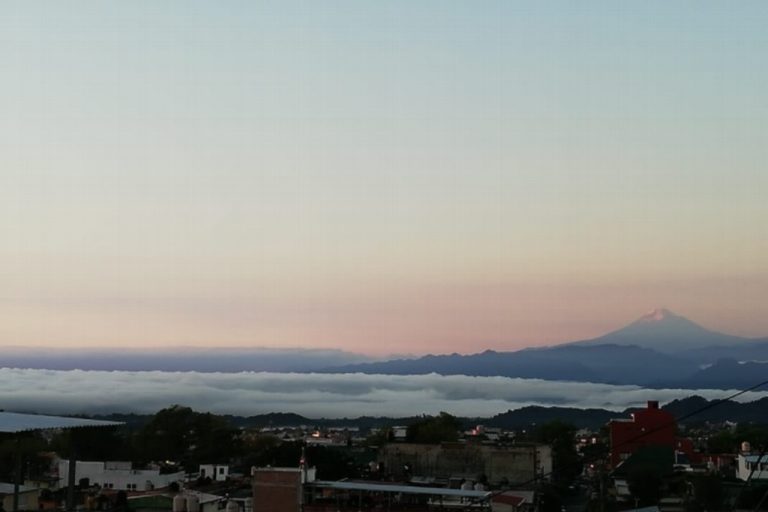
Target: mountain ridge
x,y
658,349
667,332
520,418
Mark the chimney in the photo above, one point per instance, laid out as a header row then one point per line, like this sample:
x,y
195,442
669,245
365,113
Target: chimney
x,y
653,404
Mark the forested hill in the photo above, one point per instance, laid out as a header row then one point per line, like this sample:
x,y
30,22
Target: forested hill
x,y
687,408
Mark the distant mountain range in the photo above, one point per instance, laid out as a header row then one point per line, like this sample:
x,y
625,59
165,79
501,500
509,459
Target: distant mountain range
x,y
611,364
198,359
692,410
724,374
660,349
525,417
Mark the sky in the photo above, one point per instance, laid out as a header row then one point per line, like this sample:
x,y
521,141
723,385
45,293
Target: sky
x,y
382,177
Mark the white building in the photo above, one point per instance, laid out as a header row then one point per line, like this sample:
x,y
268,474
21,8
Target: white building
x,y
118,475
748,463
215,472
399,433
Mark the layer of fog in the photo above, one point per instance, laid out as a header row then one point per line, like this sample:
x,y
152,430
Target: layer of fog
x,y
312,395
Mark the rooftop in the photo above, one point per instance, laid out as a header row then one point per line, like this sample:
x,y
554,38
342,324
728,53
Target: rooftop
x,y
407,489
12,422
7,488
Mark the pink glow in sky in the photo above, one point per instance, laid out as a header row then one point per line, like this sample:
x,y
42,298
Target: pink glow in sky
x,y
383,177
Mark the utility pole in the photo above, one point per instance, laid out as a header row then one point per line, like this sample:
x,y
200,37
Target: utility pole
x,y
16,476
71,472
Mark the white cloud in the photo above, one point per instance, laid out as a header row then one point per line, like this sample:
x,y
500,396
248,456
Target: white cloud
x,y
310,394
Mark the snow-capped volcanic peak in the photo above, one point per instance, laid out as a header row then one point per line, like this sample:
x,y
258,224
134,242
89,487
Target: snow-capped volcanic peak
x,y
657,315
665,331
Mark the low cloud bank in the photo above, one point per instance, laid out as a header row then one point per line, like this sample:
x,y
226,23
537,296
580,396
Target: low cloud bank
x,y
312,395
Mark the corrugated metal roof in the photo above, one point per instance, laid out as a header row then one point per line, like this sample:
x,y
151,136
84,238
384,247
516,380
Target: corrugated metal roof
x,y
6,488
17,422
406,489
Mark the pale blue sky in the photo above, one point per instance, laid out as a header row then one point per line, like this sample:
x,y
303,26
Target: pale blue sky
x,y
418,176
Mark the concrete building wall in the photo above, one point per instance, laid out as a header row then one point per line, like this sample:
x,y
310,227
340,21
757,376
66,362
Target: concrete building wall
x,y
543,459
28,500
277,490
216,472
115,464
515,464
749,464
118,479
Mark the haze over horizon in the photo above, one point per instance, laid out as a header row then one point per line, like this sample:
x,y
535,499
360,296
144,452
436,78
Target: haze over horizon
x,y
379,177
653,316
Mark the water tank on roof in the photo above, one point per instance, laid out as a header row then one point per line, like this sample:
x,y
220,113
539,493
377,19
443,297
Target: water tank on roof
x,y
746,447
179,503
232,506
193,503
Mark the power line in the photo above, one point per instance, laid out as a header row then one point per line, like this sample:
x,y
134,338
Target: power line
x,y
666,425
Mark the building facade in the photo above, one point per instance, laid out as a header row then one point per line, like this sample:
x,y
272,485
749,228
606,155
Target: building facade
x,y
649,427
118,475
280,489
216,472
508,465
749,464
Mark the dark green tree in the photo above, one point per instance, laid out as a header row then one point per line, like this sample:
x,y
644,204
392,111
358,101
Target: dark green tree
x,y
332,463
645,486
214,440
280,455
550,499
566,463
182,435
380,438
111,443
434,429
756,435
22,450
708,492
168,436
724,441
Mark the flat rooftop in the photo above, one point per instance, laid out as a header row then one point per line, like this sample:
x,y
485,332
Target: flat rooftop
x,y
405,489
11,422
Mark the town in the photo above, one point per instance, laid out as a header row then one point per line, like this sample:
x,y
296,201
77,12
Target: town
x,y
180,460
365,255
